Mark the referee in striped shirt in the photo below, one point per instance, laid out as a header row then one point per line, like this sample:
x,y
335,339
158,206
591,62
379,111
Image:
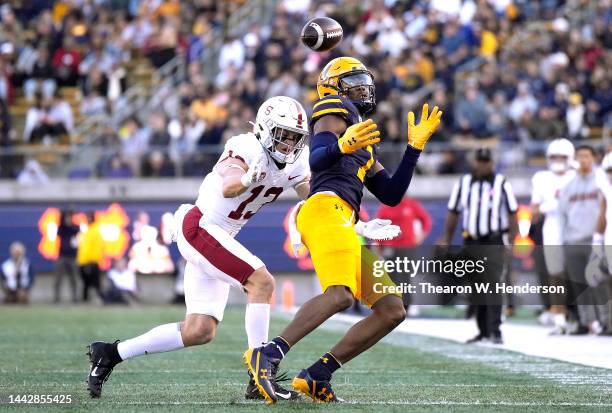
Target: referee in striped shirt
x,y
485,201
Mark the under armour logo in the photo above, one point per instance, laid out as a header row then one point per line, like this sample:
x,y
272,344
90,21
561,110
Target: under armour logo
x,y
324,359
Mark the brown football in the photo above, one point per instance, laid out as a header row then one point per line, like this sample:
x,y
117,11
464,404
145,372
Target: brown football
x,y
321,34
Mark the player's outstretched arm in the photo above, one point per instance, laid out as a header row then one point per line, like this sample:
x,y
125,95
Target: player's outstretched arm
x,y
326,148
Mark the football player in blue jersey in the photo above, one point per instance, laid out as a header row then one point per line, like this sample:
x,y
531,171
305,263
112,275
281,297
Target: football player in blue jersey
x,y
343,159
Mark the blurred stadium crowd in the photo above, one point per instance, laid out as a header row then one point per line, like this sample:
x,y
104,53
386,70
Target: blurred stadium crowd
x,y
510,73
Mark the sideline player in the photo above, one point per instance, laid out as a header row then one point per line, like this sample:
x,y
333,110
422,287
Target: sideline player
x,y
254,169
546,187
342,160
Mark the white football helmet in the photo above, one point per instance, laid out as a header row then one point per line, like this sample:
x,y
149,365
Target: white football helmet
x,y
279,118
560,147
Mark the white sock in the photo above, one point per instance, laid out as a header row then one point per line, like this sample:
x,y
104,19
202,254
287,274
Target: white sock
x,y
256,323
166,337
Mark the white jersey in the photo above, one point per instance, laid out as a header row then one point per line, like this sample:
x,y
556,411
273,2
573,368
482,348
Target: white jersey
x,y
232,213
546,187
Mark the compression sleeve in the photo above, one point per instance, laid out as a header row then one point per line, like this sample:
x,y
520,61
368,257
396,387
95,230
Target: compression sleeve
x,y
324,151
391,189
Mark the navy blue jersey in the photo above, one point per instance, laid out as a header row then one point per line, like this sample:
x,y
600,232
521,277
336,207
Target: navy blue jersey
x,y
345,178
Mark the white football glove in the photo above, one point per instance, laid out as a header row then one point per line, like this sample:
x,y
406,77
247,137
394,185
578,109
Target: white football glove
x,y
294,235
255,173
377,229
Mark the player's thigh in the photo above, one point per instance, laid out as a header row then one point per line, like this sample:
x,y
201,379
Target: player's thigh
x,y
214,252
204,294
333,244
373,285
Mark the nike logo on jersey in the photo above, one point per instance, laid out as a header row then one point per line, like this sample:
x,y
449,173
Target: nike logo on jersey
x,y
292,177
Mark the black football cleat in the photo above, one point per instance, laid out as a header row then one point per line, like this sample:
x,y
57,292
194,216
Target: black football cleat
x,y
318,391
260,369
252,392
102,365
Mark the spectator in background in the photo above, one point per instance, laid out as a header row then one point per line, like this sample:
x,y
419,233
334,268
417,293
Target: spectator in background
x,y
66,61
17,277
157,165
123,285
141,224
115,167
5,124
544,126
134,142
90,254
93,104
522,103
65,264
413,220
48,120
471,111
415,224
574,116
40,75
32,174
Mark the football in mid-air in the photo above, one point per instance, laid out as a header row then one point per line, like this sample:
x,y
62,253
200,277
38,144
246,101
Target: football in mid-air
x,y
321,34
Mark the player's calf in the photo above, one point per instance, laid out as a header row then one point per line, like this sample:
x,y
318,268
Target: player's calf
x,y
391,313
260,286
198,329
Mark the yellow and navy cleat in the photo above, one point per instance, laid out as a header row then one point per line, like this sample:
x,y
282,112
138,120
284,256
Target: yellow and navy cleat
x,y
260,368
318,391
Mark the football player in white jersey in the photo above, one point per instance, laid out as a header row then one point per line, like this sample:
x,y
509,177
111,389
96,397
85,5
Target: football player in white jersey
x,y
598,274
254,169
546,187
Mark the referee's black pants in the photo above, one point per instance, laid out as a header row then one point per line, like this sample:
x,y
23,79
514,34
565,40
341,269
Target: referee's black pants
x,y
487,306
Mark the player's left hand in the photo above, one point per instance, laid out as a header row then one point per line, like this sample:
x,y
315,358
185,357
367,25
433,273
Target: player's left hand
x,y
377,229
418,135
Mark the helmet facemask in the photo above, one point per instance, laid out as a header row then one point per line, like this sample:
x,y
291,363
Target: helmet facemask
x,y
558,163
358,87
287,143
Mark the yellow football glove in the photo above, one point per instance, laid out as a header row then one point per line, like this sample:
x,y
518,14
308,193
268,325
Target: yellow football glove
x,y
418,135
359,136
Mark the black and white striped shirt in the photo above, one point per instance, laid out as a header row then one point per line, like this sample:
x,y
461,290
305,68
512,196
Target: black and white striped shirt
x,y
485,204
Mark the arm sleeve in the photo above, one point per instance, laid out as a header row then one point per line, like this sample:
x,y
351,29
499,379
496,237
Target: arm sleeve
x,y
510,198
454,202
391,189
324,151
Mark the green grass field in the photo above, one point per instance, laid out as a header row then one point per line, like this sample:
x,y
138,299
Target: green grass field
x,y
42,351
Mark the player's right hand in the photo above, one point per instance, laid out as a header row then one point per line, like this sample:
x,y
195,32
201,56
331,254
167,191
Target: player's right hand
x,y
255,173
359,135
